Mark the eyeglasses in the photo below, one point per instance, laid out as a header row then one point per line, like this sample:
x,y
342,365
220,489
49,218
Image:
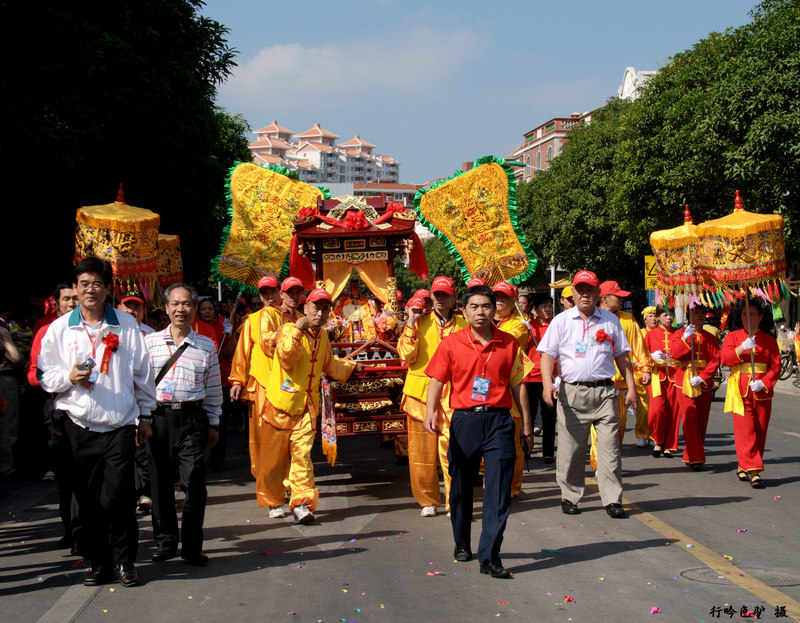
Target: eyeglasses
x,y
91,285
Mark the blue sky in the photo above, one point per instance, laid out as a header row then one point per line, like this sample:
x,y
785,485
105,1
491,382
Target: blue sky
x,y
435,84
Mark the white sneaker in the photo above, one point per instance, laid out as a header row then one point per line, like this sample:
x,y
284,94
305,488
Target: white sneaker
x,y
448,513
428,511
303,515
144,505
49,475
641,442
276,512
537,432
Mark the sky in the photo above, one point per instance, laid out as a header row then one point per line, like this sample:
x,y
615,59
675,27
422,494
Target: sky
x,y
436,84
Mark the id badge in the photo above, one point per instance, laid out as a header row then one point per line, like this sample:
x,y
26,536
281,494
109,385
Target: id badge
x,y
92,378
167,391
580,350
480,389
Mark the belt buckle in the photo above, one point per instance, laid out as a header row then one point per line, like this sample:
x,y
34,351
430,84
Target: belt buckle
x,y
175,406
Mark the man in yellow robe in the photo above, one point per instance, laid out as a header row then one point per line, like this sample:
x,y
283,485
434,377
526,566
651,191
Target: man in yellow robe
x,y
507,318
421,336
611,296
302,354
250,369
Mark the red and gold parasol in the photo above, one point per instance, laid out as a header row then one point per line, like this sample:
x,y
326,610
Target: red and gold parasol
x,y
124,236
170,263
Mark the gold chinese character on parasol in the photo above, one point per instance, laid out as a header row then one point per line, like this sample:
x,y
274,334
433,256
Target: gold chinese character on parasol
x,y
126,237
475,215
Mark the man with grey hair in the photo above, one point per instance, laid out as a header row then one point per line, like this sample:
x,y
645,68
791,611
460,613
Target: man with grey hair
x,y
185,422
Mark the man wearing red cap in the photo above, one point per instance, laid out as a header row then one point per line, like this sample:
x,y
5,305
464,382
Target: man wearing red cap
x,y
425,296
587,341
611,296
302,353
420,338
507,318
249,375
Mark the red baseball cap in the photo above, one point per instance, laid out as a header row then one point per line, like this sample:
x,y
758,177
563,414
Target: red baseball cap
x,y
268,281
506,288
399,295
585,276
443,284
291,282
317,294
476,281
423,293
612,287
416,301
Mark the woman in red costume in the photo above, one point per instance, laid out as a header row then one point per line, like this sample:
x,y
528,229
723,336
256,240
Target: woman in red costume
x,y
662,415
749,397
696,354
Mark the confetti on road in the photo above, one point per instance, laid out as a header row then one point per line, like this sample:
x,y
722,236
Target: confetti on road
x,y
502,603
569,600
655,610
552,551
689,545
741,530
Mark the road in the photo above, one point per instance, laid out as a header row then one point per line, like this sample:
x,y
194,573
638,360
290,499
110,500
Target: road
x,y
696,544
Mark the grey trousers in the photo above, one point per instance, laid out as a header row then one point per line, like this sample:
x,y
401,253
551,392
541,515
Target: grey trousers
x,y
578,408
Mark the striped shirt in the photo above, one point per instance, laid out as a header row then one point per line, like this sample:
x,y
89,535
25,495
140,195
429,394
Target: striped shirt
x,y
195,376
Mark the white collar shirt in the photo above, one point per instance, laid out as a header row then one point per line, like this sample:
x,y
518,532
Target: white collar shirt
x,y
194,377
573,340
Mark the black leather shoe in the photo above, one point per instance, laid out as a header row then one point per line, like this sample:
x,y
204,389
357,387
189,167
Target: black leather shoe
x,y
163,554
462,554
198,560
98,577
495,569
568,508
616,511
65,542
128,575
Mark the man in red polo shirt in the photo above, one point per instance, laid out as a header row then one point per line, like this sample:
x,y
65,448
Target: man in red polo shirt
x,y
485,368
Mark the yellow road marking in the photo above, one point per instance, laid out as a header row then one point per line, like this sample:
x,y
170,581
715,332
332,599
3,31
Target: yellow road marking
x,y
713,560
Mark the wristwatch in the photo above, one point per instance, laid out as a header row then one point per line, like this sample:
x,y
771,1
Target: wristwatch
x,y
145,418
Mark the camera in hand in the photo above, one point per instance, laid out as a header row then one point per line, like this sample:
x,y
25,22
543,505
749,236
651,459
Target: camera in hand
x,y
86,365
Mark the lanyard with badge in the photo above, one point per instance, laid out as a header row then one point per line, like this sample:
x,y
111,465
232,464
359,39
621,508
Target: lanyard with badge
x,y
581,346
166,390
481,384
90,382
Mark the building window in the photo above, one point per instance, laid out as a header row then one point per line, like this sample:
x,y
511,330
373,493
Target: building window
x,y
528,160
550,127
549,155
538,159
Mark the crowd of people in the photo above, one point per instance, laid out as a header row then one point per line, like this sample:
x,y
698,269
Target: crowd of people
x,y
128,399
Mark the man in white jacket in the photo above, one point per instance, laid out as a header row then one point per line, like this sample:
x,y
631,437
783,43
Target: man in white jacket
x,y
95,361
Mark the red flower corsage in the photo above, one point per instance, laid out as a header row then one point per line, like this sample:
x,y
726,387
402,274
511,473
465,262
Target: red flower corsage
x,y
111,341
602,336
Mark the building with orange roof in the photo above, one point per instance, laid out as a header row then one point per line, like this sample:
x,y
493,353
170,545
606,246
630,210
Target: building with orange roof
x,y
318,159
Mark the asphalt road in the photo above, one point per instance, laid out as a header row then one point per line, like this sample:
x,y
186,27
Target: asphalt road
x,y
697,547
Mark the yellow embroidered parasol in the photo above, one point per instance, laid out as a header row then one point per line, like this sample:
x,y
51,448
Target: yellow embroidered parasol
x,y
124,236
263,201
475,215
675,252
170,264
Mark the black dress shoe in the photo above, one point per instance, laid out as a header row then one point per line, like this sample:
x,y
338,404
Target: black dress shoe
x,y
98,577
462,554
657,450
163,554
695,467
568,508
616,511
65,542
198,560
128,575
549,459
494,569
668,454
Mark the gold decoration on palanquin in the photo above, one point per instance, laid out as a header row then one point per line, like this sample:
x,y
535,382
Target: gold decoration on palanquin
x,y
264,203
123,235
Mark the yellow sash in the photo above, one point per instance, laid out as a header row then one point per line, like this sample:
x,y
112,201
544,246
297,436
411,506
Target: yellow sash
x,y
688,389
655,382
733,396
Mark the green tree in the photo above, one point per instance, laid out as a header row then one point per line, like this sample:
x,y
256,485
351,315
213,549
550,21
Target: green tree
x,y
97,93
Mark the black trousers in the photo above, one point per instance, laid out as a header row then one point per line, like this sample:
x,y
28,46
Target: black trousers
x,y
487,435
548,415
178,443
102,469
61,458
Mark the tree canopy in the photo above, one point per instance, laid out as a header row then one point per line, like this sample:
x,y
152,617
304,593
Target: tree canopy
x,y
97,93
722,116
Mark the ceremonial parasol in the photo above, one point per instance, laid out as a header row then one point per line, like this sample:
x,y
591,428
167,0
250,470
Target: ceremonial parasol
x,y
675,252
744,251
262,202
169,263
124,236
475,215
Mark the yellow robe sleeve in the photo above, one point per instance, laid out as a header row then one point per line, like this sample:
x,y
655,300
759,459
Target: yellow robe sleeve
x,y
241,357
270,323
289,346
337,368
408,344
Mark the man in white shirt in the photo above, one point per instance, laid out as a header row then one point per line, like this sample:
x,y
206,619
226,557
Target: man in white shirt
x,y
185,423
94,360
587,341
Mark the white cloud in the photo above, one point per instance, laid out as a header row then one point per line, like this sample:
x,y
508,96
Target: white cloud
x,y
401,63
